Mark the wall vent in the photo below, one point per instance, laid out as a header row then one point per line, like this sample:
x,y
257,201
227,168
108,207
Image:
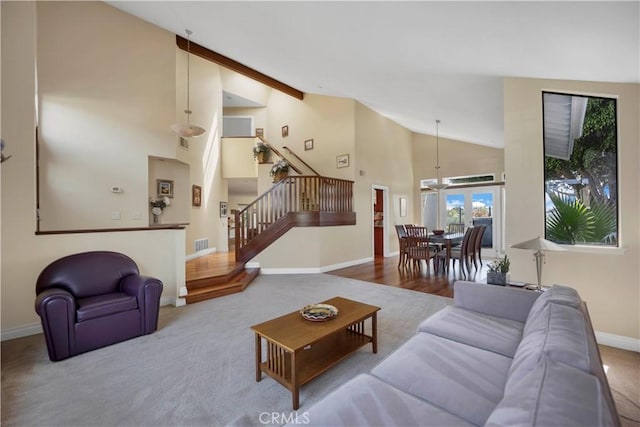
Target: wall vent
x,y
201,244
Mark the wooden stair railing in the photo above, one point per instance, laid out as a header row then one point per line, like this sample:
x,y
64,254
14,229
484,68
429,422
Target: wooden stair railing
x,y
300,160
296,201
279,154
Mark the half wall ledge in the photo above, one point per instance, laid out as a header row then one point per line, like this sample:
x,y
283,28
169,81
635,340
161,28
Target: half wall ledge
x,y
111,230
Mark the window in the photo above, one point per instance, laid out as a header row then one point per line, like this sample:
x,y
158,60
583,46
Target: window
x,y
580,169
460,180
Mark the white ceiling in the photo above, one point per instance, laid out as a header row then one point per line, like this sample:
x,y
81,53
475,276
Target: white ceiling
x,y
418,61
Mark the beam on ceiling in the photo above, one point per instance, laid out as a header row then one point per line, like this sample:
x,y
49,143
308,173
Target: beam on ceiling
x,y
229,63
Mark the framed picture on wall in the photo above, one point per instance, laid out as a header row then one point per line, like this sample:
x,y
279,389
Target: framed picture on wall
x,y
259,131
224,209
165,188
403,206
342,161
308,144
196,195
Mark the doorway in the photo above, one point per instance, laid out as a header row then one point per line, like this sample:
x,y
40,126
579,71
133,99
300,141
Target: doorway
x,y
380,220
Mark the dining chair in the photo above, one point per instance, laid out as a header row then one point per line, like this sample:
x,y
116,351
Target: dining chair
x,y
456,228
477,246
402,243
418,249
460,253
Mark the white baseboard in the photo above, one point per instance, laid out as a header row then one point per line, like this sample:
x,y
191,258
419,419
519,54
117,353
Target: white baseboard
x,y
252,264
21,331
183,291
314,270
200,253
618,341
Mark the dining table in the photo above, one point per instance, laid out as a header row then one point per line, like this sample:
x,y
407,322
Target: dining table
x,y
447,240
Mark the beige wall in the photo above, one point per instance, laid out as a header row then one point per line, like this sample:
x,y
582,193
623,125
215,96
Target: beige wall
x,y
24,254
237,158
105,104
608,279
384,154
204,151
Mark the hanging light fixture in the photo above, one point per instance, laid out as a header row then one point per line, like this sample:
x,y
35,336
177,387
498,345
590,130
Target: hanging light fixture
x,y
438,185
187,130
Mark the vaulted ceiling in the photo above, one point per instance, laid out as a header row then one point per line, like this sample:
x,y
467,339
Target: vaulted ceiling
x,y
418,61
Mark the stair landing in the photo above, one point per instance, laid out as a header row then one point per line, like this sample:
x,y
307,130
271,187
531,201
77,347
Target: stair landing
x,y
216,275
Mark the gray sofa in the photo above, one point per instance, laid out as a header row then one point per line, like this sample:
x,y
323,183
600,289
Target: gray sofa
x,y
497,357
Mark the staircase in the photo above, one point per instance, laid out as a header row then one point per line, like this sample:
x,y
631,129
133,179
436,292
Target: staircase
x,y
216,275
295,201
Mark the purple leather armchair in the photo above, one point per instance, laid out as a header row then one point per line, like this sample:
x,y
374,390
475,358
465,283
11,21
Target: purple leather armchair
x,y
94,299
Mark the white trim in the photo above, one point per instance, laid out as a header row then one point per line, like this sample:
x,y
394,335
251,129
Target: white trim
x,y
252,264
179,302
182,291
167,301
200,253
315,270
602,250
618,341
21,331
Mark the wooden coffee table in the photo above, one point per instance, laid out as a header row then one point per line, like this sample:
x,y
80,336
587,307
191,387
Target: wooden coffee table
x,y
298,350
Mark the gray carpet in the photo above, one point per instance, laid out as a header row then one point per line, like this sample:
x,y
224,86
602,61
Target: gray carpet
x,y
198,368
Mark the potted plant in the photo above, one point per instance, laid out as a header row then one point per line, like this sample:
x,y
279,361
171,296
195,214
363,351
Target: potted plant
x,y
261,152
157,206
497,274
279,170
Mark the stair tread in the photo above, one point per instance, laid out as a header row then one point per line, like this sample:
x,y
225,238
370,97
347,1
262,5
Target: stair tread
x,y
236,284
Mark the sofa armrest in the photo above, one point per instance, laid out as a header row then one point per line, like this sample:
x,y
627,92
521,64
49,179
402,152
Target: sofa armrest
x,y
505,302
147,291
57,310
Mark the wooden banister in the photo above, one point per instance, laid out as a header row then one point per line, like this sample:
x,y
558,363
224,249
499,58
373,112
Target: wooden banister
x,y
279,154
293,201
300,160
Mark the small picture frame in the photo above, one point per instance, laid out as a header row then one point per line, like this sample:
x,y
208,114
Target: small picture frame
x,y
403,206
342,161
285,131
196,195
224,209
260,132
165,188
308,145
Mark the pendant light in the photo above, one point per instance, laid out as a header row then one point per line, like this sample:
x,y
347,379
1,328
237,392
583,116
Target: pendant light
x,y
438,185
187,130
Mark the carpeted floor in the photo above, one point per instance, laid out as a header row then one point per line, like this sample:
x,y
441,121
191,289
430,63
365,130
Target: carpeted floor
x,y
198,368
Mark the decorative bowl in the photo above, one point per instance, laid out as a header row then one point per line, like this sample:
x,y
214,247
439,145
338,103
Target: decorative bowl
x,y
319,312
438,232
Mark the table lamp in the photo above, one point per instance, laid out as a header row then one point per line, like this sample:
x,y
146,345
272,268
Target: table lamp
x,y
540,246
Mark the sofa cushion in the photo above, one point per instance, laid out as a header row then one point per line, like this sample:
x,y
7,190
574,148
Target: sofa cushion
x,y
368,401
560,332
557,294
480,330
104,305
553,394
463,380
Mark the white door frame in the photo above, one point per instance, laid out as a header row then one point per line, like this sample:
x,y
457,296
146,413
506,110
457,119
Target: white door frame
x,y
385,220
497,211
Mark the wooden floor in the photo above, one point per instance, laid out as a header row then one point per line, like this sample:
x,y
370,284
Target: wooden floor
x,y
383,271
215,264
